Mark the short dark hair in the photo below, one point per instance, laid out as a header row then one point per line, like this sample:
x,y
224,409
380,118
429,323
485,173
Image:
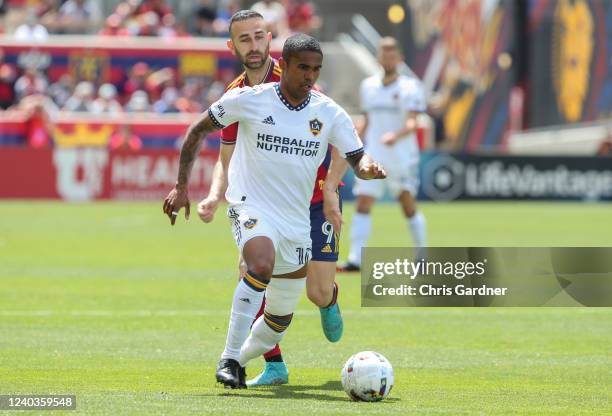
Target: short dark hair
x,y
241,15
300,43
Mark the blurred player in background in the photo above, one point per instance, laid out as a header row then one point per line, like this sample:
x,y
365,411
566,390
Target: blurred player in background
x,y
390,104
250,42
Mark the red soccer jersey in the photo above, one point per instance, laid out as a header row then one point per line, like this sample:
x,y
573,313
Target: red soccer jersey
x,y
230,133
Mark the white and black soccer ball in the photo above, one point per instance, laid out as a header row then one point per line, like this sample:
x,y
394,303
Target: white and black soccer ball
x,y
367,376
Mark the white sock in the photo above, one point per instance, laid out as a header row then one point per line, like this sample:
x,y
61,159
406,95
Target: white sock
x,y
245,305
282,297
360,233
262,339
417,227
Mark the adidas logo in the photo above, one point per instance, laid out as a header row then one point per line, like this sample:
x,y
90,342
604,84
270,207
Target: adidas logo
x,y
246,300
269,120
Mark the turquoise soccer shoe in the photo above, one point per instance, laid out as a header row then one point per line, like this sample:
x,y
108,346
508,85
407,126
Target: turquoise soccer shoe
x,y
274,373
331,321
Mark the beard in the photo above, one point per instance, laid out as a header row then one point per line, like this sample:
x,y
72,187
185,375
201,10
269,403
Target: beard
x,y
253,65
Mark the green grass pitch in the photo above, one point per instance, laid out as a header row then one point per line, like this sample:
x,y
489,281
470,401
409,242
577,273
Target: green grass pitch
x,y
108,302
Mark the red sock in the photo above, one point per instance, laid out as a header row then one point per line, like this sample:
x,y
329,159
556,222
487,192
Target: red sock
x,y
334,296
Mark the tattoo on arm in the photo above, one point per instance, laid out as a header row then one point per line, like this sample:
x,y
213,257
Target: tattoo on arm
x,y
193,140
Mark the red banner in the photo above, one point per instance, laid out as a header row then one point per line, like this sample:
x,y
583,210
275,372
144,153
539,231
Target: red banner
x,y
89,173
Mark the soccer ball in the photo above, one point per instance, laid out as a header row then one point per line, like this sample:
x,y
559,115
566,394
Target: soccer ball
x,y
367,376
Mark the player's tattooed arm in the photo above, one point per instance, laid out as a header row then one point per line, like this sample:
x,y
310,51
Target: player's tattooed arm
x,y
365,167
208,206
191,146
178,198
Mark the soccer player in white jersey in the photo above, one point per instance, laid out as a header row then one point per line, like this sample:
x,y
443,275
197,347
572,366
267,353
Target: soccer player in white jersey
x,y
390,104
250,43
283,134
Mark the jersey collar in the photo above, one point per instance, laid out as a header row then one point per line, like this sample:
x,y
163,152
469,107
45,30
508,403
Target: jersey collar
x,y
286,102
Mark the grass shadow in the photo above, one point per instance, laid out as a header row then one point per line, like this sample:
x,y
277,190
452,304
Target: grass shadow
x,y
293,391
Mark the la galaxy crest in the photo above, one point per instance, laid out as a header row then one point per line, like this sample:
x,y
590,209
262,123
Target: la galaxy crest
x,y
250,223
315,126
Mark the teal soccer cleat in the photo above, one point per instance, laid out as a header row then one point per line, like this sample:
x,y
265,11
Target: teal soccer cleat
x,y
274,373
331,321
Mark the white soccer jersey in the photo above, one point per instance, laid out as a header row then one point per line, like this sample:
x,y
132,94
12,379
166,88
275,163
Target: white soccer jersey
x,y
279,150
387,108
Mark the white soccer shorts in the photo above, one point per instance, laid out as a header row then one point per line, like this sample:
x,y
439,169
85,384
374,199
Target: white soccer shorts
x,y
248,222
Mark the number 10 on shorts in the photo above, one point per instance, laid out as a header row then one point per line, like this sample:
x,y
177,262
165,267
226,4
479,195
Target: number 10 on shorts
x,y
304,254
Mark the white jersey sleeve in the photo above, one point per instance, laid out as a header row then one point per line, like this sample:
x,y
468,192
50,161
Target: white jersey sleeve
x,y
413,96
344,136
228,109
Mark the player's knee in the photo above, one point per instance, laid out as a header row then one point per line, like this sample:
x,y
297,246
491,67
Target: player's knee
x,y
364,205
319,295
262,267
363,208
409,211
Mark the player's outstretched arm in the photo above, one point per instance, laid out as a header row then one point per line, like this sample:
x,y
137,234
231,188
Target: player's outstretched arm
x,y
331,203
365,167
208,206
178,197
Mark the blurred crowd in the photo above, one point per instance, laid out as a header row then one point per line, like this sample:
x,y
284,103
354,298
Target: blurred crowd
x,y
144,89
36,19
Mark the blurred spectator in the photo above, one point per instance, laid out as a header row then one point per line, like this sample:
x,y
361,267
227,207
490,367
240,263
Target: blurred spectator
x,y
169,28
32,82
106,101
31,30
605,148
8,76
40,112
158,7
157,81
215,91
113,27
206,14
61,90
78,16
191,98
136,79
47,9
167,102
139,102
275,15
302,17
2,9
82,99
124,139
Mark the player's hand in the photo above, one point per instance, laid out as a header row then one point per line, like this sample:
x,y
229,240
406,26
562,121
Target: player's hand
x,y
331,210
389,138
176,199
207,208
371,170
